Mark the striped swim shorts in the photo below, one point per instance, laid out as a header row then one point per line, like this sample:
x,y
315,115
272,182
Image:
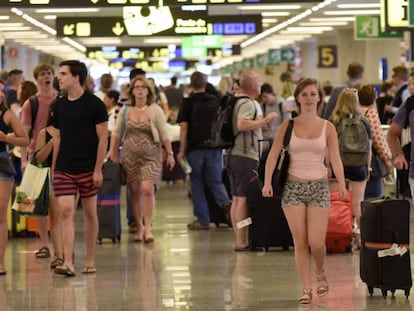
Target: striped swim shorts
x,y
69,184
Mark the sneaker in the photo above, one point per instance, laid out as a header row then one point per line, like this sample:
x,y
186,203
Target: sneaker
x,y
227,208
195,225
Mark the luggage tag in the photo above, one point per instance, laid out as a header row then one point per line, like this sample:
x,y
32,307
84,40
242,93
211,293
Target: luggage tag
x,y
244,223
395,250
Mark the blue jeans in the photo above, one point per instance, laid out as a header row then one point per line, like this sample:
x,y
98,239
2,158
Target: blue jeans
x,y
206,169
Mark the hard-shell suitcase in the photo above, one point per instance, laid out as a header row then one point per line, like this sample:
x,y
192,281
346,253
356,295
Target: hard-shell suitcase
x,y
217,214
385,238
339,233
109,211
269,227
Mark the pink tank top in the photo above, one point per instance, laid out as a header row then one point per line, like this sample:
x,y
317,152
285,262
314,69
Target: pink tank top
x,y
307,156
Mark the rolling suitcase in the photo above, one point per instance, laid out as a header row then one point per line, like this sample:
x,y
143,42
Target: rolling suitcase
x,y
269,227
339,233
217,214
385,237
109,211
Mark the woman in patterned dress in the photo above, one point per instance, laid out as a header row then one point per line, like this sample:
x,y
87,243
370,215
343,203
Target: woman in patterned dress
x,y
145,134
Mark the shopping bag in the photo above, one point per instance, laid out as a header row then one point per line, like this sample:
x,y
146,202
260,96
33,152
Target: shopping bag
x,y
33,195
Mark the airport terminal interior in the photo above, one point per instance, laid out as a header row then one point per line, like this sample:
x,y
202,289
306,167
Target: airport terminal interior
x,y
181,270
196,269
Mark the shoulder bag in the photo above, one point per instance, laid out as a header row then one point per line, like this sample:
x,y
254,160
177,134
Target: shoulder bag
x,y
282,164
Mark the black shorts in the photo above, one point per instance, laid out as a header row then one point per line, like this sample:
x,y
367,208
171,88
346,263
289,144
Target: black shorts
x,y
356,173
241,170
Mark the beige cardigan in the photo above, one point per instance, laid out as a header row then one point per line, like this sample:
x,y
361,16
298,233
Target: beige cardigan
x,y
157,122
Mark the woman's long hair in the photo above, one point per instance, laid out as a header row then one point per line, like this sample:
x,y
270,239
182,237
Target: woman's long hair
x,y
3,104
27,89
347,105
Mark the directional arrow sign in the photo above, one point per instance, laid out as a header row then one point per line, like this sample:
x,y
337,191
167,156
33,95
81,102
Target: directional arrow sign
x,y
287,55
69,30
118,29
273,57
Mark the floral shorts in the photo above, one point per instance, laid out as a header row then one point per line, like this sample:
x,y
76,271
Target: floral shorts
x,y
310,193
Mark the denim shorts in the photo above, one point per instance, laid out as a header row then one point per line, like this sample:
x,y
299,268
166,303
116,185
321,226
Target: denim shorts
x,y
6,176
309,193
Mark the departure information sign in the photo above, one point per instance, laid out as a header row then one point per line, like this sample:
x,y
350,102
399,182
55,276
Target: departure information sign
x,y
108,3
162,21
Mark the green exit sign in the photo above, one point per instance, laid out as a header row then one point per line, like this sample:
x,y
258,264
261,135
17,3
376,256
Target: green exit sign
x,y
369,27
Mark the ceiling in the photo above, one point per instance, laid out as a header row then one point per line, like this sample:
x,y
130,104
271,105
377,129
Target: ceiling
x,y
299,21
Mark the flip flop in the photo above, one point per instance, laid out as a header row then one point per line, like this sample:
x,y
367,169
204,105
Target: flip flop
x,y
242,249
89,270
3,272
43,252
64,270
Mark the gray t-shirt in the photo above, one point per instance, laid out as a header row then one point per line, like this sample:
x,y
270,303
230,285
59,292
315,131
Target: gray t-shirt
x,y
246,143
400,119
275,123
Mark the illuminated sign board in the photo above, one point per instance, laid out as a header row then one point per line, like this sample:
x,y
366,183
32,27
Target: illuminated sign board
x,y
160,21
112,52
395,14
109,3
157,66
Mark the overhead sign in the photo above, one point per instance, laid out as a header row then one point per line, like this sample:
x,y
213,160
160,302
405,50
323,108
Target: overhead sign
x,y
327,56
394,14
369,27
159,21
275,56
109,3
112,52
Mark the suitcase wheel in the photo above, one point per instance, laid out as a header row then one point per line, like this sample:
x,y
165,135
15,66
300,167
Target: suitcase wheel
x,y
407,292
118,238
113,240
99,241
371,290
393,293
384,293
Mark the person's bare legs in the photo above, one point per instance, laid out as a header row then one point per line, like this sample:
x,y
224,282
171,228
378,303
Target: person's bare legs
x,y
317,227
92,226
357,196
66,204
296,218
147,204
238,213
137,210
56,226
42,226
6,190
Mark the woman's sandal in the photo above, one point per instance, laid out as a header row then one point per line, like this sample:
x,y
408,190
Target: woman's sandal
x,y
43,252
322,288
306,297
56,262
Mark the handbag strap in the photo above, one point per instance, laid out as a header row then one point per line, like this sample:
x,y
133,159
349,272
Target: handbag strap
x,y
288,133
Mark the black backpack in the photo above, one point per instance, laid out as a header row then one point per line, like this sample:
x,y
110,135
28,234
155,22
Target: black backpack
x,y
222,134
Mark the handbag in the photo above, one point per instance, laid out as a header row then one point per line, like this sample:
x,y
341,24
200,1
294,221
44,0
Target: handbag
x,y
379,169
32,197
6,166
282,164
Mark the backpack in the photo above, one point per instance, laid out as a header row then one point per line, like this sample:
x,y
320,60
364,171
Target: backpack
x,y
353,142
222,134
34,106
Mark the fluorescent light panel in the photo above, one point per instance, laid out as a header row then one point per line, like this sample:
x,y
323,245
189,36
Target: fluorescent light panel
x,y
359,6
352,12
163,40
269,7
50,17
271,14
332,19
323,24
4,17
11,28
269,20
74,10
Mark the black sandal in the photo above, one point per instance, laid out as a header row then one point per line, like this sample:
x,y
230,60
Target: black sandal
x,y
56,262
43,252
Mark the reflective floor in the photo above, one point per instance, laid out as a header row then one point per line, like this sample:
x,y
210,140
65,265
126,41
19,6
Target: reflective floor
x,y
183,270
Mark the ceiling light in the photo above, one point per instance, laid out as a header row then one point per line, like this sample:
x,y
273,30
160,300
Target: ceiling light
x,y
74,10
333,19
323,24
11,28
11,25
353,12
102,41
26,34
163,40
269,7
4,17
359,5
50,17
271,14
269,20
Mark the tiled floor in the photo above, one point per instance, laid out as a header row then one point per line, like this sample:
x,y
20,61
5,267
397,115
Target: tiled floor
x,y
183,270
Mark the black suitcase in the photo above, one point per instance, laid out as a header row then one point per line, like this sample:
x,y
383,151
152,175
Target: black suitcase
x,y
109,211
217,215
269,227
384,223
